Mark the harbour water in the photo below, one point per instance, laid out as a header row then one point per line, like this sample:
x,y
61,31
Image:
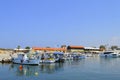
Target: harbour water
x,y
91,68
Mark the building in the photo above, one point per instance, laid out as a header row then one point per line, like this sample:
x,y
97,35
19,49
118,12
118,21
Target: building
x,y
69,49
92,49
21,50
73,49
49,49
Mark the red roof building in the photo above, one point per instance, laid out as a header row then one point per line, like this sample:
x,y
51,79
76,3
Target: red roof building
x,y
49,49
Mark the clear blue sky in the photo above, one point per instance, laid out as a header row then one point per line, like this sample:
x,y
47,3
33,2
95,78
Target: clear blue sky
x,y
56,22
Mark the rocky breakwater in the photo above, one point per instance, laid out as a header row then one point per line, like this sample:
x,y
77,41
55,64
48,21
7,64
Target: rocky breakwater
x,y
6,55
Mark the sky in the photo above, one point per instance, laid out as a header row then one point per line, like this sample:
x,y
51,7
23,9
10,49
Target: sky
x,y
54,23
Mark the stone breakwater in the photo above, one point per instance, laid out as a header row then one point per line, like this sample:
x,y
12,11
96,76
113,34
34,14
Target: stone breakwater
x,y
6,56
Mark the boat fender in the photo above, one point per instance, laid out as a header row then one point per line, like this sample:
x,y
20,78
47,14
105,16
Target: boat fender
x,y
20,67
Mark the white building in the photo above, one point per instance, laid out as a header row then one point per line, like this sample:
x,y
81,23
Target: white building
x,y
92,49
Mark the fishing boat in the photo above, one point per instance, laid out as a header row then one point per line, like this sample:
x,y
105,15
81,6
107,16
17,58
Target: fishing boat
x,y
22,58
77,56
59,56
47,58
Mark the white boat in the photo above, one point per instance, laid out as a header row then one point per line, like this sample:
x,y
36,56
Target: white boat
x,y
22,58
47,58
68,56
109,54
77,56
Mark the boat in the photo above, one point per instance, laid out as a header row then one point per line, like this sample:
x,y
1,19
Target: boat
x,y
68,56
22,58
47,58
109,54
59,56
77,56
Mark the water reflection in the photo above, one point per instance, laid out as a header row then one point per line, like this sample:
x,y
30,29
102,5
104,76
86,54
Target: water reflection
x,y
51,68
26,70
29,70
107,60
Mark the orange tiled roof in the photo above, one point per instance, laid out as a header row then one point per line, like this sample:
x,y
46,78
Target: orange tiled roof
x,y
49,49
76,47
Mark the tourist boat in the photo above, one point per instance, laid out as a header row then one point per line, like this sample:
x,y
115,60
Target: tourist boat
x,y
109,54
23,58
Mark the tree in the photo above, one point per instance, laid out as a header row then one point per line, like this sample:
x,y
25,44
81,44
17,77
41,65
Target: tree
x,y
114,47
102,47
18,47
27,47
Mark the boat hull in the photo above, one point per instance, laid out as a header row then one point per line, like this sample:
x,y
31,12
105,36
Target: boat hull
x,y
47,61
109,54
26,62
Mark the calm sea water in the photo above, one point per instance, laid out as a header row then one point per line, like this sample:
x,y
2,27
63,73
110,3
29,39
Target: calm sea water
x,y
91,68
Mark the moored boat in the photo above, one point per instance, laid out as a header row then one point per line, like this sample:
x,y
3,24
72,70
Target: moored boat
x,y
59,57
22,58
47,58
109,54
77,56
